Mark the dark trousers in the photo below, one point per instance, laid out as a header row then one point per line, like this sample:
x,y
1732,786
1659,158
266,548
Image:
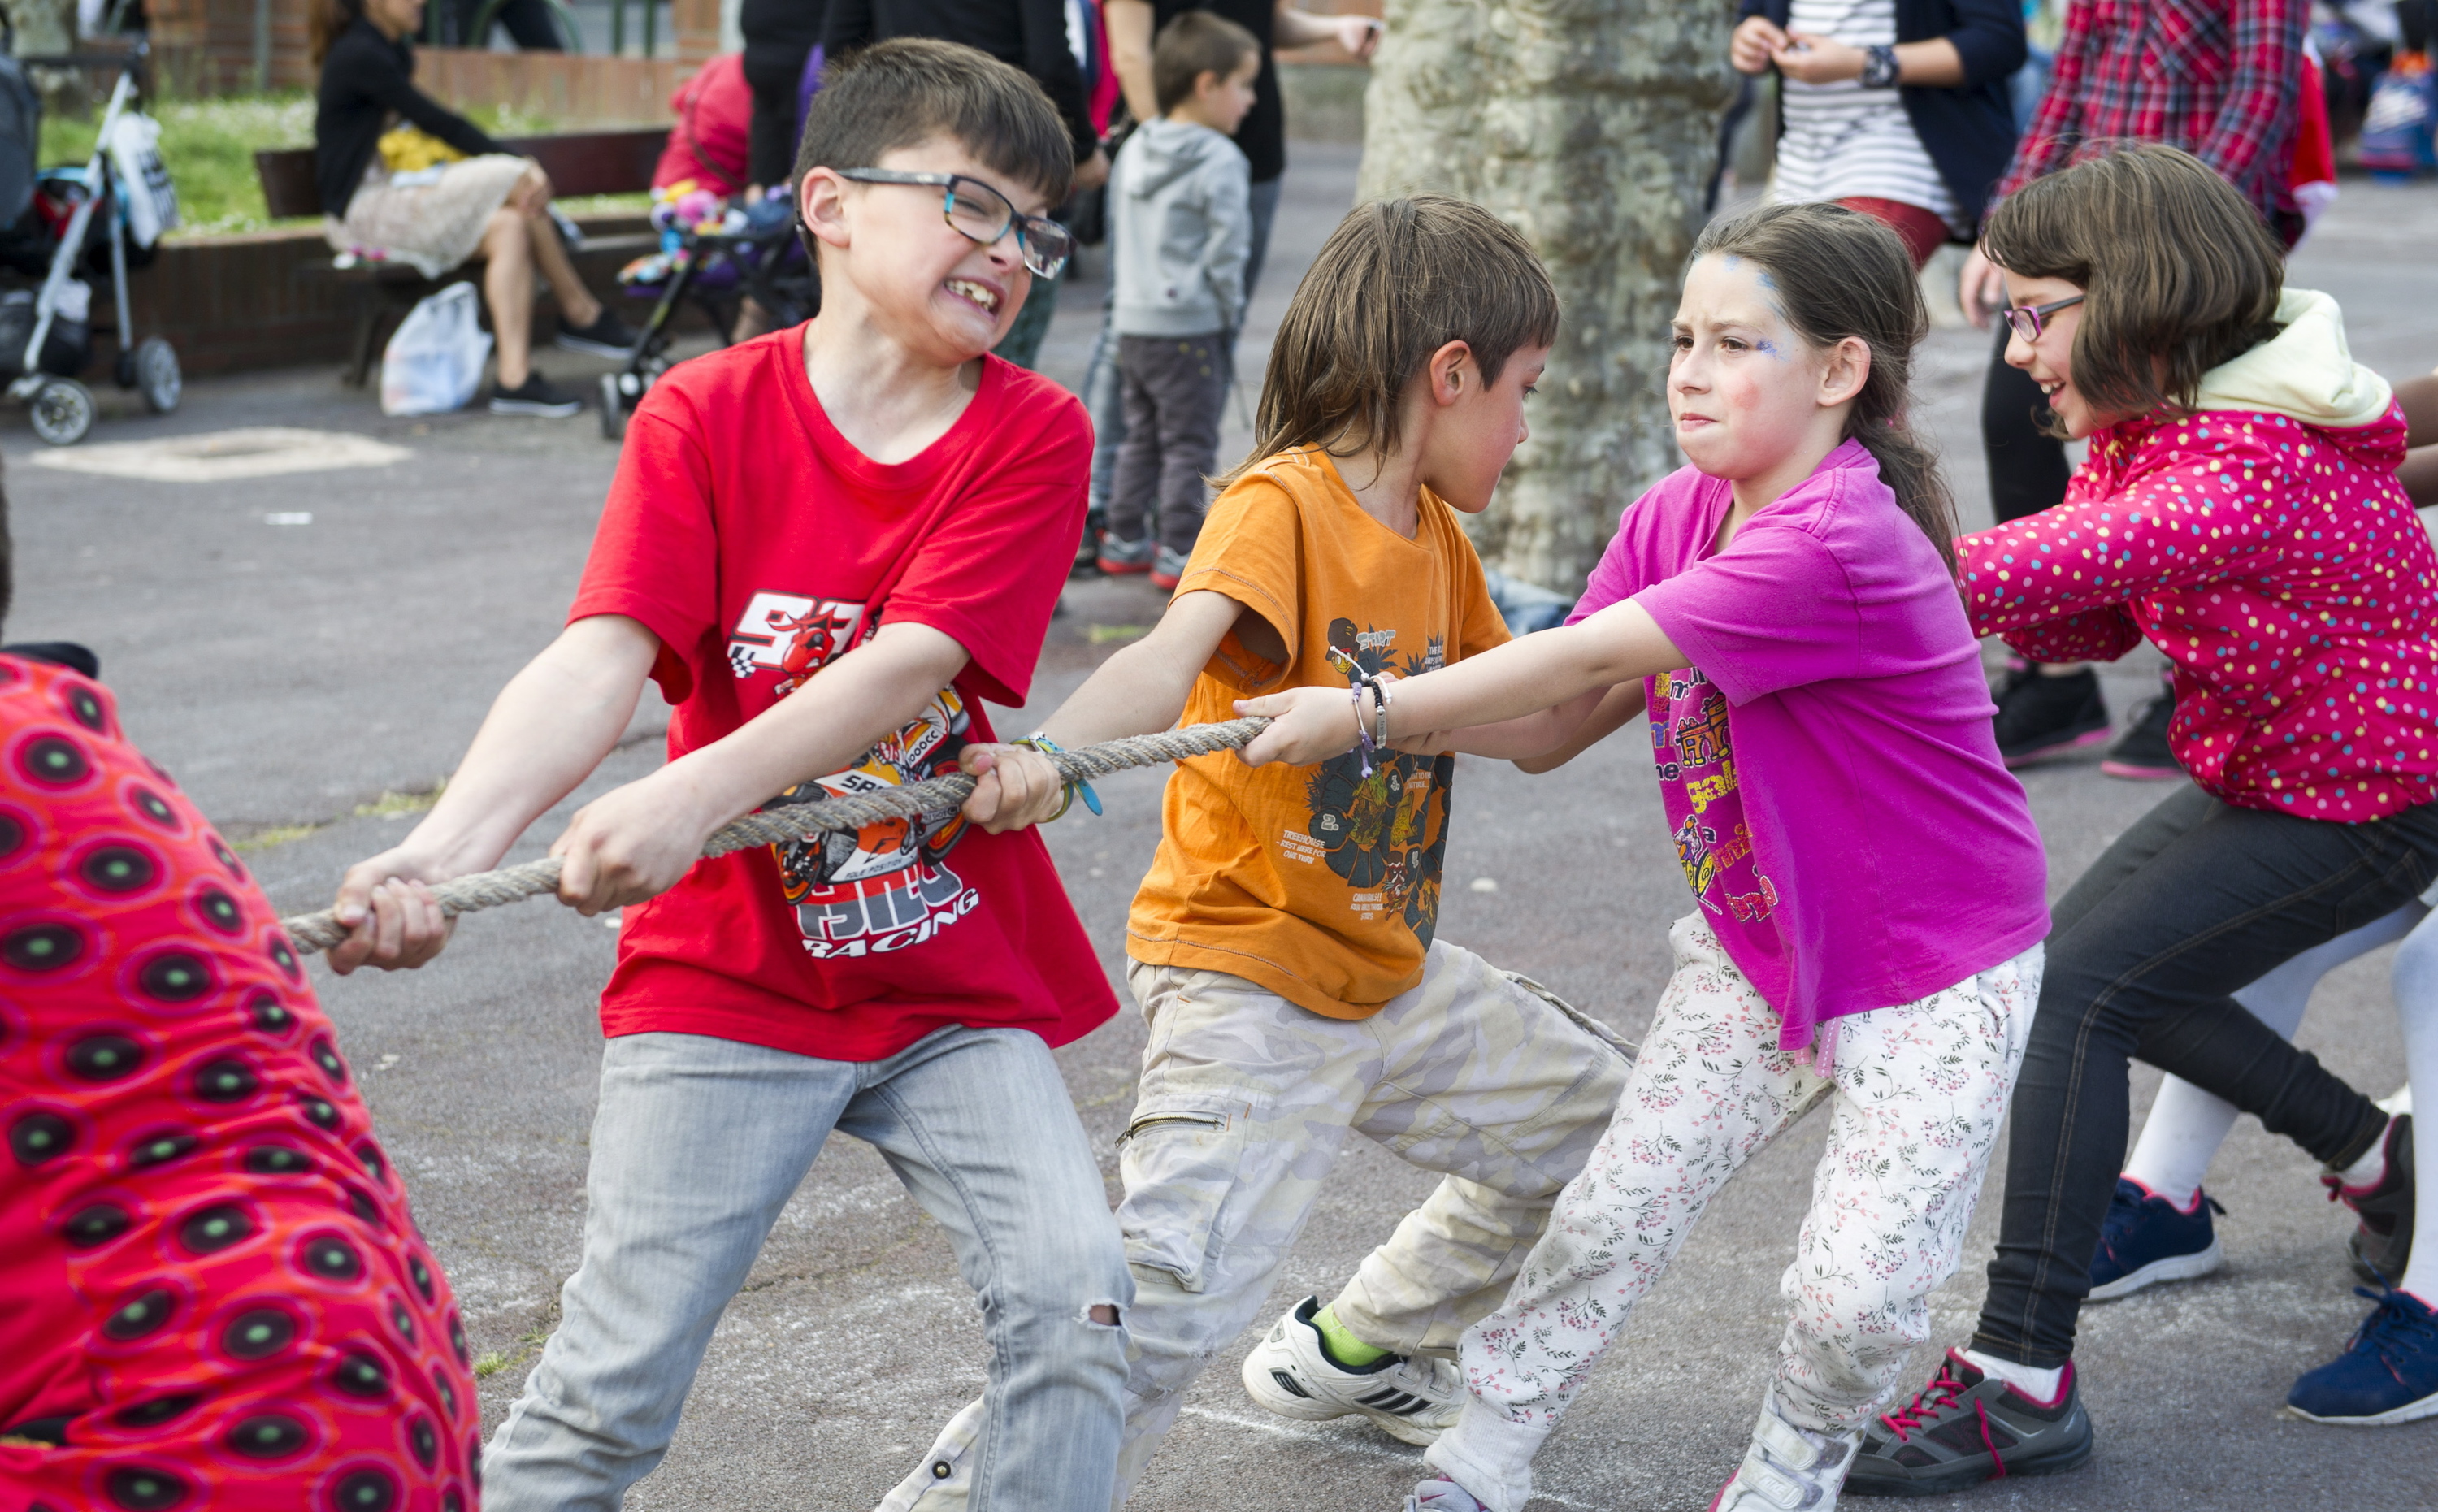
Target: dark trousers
x,y
774,71
1174,388
2027,470
2198,899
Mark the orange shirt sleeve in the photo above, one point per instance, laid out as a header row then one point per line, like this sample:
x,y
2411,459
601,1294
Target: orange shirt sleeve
x,y
1251,550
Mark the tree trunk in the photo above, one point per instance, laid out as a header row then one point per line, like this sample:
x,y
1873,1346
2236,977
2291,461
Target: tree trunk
x,y
1592,126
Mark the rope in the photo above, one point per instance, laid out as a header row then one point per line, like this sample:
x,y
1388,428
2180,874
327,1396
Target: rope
x,y
791,822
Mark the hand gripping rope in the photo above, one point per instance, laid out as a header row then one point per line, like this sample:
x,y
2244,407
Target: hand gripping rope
x,y
794,821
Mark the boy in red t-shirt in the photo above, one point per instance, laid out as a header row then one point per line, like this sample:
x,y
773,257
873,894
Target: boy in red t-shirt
x,y
828,546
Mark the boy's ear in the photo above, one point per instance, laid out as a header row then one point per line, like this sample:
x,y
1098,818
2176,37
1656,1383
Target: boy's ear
x,y
1452,373
821,199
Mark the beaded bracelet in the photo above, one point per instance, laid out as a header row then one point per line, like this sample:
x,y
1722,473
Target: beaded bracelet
x,y
1042,743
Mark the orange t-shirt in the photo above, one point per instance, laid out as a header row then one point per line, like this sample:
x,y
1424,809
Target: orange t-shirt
x,y
1314,882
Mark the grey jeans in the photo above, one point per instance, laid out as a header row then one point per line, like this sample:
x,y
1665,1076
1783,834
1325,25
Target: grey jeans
x,y
697,1146
1176,387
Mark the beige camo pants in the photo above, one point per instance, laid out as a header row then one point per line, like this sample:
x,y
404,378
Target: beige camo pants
x,y
1245,1101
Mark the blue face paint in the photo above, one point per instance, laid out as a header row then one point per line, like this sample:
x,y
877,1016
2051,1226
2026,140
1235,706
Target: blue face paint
x,y
1769,348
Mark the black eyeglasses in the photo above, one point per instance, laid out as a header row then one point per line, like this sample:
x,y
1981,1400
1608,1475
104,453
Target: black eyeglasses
x,y
982,214
2029,319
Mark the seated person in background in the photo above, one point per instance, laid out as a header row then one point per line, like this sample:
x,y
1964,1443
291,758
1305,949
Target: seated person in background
x,y
435,214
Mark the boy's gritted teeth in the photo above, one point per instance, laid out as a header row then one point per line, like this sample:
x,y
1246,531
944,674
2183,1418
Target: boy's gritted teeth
x,y
984,296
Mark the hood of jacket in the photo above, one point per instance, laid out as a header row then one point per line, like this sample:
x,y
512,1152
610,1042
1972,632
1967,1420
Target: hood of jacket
x,y
1167,150
2303,372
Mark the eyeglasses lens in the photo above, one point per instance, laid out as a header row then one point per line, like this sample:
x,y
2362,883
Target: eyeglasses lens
x,y
1047,247
979,211
2027,323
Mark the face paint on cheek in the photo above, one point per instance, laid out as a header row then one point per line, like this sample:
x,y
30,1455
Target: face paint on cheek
x,y
1771,349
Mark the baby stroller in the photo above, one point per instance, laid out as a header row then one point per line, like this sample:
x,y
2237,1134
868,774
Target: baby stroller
x,y
98,220
714,264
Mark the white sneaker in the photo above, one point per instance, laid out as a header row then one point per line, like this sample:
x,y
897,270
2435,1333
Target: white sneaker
x,y
1409,1398
1789,1469
945,1481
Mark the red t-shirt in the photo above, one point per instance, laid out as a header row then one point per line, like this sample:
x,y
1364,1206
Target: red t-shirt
x,y
758,544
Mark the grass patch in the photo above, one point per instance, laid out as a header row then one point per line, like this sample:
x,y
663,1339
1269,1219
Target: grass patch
x,y
489,1365
275,835
1111,634
389,805
208,145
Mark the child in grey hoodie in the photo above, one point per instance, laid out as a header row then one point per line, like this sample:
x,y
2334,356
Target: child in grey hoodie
x,y
1179,195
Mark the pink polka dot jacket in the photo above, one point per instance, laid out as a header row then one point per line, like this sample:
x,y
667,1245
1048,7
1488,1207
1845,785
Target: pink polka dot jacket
x,y
2261,542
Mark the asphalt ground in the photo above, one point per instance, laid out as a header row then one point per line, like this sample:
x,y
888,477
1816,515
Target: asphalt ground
x,y
305,681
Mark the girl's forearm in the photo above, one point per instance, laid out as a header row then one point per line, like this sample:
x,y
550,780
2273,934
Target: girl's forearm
x,y
1522,738
1540,670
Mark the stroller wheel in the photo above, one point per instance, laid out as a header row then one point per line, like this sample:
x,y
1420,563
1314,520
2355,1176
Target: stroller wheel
x,y
158,376
614,406
62,411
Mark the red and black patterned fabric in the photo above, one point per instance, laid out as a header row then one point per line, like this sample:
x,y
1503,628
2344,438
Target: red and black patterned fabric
x,y
212,1295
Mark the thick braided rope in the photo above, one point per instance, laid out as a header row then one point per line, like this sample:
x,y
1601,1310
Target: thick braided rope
x,y
796,822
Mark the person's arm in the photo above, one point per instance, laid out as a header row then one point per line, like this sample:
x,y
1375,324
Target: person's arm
x,y
2419,473
2267,51
2102,634
1533,676
638,840
1813,59
1130,28
1987,40
1358,35
1228,236
1626,701
1139,691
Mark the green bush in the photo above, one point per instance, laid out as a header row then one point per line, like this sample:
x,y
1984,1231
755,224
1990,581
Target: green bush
x,y
208,145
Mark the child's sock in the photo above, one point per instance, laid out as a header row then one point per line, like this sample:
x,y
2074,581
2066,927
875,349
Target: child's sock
x,y
2372,1168
2040,1385
1344,1350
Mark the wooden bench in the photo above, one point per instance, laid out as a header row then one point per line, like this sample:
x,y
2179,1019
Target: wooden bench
x,y
578,163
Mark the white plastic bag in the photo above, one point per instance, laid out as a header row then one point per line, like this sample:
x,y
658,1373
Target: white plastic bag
x,y
144,184
435,361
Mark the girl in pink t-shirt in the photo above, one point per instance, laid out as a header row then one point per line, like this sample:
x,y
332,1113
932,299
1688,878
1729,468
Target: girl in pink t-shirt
x,y
1868,881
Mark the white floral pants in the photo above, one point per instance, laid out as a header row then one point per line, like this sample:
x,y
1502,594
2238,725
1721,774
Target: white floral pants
x,y
1918,1093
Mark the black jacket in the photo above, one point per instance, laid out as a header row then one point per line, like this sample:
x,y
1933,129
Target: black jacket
x,y
1028,34
1968,131
365,77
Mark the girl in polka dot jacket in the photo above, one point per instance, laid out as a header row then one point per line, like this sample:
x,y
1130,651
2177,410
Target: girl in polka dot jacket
x,y
2241,509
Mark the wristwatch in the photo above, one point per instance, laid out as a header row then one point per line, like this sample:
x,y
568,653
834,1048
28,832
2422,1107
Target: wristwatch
x,y
1879,67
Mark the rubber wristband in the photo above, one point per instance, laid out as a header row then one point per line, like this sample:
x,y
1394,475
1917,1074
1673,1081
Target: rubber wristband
x,y
1091,801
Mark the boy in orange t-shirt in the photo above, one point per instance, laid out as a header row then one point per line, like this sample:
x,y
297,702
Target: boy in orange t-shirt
x,y
1283,945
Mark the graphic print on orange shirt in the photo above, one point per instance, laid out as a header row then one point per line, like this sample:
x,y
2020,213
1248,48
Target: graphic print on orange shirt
x,y
1385,834
884,886
1697,773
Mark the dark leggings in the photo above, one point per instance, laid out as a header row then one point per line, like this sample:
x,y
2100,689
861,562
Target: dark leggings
x,y
2198,899
2027,470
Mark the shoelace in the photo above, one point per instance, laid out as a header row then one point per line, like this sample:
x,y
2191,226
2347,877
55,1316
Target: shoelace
x,y
2393,1331
1944,1391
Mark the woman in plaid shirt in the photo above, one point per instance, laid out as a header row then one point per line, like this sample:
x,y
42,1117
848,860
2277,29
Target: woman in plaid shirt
x,y
2217,77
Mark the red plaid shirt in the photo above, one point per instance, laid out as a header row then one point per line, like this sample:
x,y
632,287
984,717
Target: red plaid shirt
x,y
2217,77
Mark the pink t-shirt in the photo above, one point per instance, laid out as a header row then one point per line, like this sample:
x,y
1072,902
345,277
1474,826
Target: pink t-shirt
x,y
1826,762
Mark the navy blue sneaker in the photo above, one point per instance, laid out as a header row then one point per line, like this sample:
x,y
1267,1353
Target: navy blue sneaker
x,y
2387,1375
2146,1239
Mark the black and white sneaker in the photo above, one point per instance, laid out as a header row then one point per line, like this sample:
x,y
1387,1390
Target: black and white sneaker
x,y
535,395
607,335
1966,1427
1408,1397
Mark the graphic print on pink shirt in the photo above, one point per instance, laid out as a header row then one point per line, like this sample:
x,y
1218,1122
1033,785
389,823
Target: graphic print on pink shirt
x,y
1695,758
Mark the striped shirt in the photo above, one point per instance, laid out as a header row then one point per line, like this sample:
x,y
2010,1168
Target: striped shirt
x,y
1840,140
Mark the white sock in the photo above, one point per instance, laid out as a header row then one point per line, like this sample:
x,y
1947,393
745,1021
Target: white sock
x,y
2371,1166
2187,1125
2040,1385
2416,1011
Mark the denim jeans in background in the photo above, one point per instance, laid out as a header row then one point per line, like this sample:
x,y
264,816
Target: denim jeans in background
x,y
697,1146
2196,901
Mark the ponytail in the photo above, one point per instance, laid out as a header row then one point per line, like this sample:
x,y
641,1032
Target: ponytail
x,y
1839,274
324,21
